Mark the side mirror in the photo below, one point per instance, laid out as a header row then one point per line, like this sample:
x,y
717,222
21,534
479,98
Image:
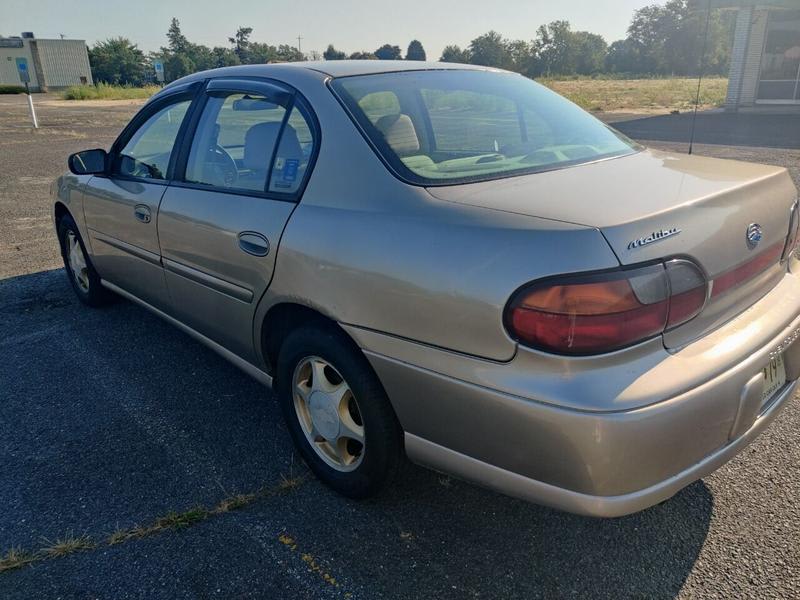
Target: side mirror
x,y
88,162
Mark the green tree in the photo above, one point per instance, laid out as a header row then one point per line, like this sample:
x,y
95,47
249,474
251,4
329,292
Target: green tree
x,y
454,54
623,57
118,61
177,66
288,53
332,53
180,56
257,53
591,50
223,57
668,40
177,42
241,44
362,56
389,52
491,50
522,56
415,51
555,49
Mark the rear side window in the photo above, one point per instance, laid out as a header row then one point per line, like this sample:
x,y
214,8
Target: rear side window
x,y
248,142
293,154
439,127
148,151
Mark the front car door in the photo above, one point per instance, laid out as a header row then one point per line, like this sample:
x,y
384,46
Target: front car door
x,y
252,144
121,207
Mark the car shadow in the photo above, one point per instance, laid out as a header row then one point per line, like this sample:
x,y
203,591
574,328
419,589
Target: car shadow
x,y
716,127
111,417
525,550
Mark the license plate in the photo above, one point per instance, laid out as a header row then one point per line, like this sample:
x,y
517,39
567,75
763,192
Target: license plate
x,y
774,377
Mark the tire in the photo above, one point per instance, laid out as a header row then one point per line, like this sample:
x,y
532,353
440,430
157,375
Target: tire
x,y
86,283
315,360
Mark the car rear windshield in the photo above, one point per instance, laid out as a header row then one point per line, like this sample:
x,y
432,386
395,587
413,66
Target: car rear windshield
x,y
450,126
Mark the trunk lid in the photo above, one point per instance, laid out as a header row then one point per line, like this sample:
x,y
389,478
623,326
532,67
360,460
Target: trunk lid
x,y
654,205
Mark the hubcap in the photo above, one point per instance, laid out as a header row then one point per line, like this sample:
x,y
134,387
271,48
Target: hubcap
x,y
77,261
328,413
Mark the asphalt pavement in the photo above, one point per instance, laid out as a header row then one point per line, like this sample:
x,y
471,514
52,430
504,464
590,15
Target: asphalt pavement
x,y
111,419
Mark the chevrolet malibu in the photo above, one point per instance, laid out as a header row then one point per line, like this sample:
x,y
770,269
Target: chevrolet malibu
x,y
453,264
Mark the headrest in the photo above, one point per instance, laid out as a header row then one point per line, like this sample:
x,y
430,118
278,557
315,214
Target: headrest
x,y
398,131
259,141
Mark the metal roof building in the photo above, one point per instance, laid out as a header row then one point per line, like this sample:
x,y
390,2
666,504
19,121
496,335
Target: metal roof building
x,y
765,58
53,64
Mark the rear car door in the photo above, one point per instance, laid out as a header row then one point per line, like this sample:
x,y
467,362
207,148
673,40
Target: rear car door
x,y
249,148
121,207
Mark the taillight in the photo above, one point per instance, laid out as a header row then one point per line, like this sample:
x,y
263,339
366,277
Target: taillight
x,y
601,312
793,239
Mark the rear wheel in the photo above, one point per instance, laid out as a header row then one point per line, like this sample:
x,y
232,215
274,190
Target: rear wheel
x,y
337,412
81,273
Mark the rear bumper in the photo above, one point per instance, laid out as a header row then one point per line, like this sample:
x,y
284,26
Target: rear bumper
x,y
513,484
602,437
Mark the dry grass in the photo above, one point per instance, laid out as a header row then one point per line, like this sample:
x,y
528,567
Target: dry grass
x,y
66,545
104,91
640,94
288,483
16,558
234,502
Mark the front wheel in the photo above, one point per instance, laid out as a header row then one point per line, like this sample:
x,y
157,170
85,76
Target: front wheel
x,y
81,273
337,412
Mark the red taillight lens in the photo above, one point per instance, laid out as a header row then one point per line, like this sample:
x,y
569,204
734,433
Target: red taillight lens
x,y
602,312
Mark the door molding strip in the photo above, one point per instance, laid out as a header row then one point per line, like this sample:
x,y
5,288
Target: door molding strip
x,y
215,283
136,251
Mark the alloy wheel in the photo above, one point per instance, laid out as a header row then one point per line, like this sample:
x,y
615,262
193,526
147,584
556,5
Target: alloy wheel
x,y
77,262
328,413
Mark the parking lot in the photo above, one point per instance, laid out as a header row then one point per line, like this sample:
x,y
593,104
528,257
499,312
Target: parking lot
x,y
136,463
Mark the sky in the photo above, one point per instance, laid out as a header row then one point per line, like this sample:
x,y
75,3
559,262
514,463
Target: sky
x,y
347,24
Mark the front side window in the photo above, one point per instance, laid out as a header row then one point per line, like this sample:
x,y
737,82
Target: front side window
x,y
240,136
148,151
448,126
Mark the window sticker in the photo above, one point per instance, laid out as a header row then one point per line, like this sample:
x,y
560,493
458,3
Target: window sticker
x,y
290,169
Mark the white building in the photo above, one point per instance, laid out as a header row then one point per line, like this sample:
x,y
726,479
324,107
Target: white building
x,y
765,58
52,64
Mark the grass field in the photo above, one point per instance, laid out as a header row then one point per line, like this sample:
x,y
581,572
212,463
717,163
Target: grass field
x,y
640,94
104,91
592,94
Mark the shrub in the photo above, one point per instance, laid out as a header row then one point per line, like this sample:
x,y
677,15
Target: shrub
x,y
12,89
105,91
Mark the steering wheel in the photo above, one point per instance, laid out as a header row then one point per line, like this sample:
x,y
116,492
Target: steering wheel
x,y
220,168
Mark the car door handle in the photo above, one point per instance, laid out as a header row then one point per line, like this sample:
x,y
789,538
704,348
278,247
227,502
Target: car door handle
x,y
253,243
142,213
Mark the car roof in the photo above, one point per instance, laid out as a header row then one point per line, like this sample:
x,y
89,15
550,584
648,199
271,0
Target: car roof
x,y
331,68
334,68
345,68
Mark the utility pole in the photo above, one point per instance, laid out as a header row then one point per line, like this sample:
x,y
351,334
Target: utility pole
x,y
299,39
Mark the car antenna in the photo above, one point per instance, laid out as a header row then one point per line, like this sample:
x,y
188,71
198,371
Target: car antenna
x,y
700,76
